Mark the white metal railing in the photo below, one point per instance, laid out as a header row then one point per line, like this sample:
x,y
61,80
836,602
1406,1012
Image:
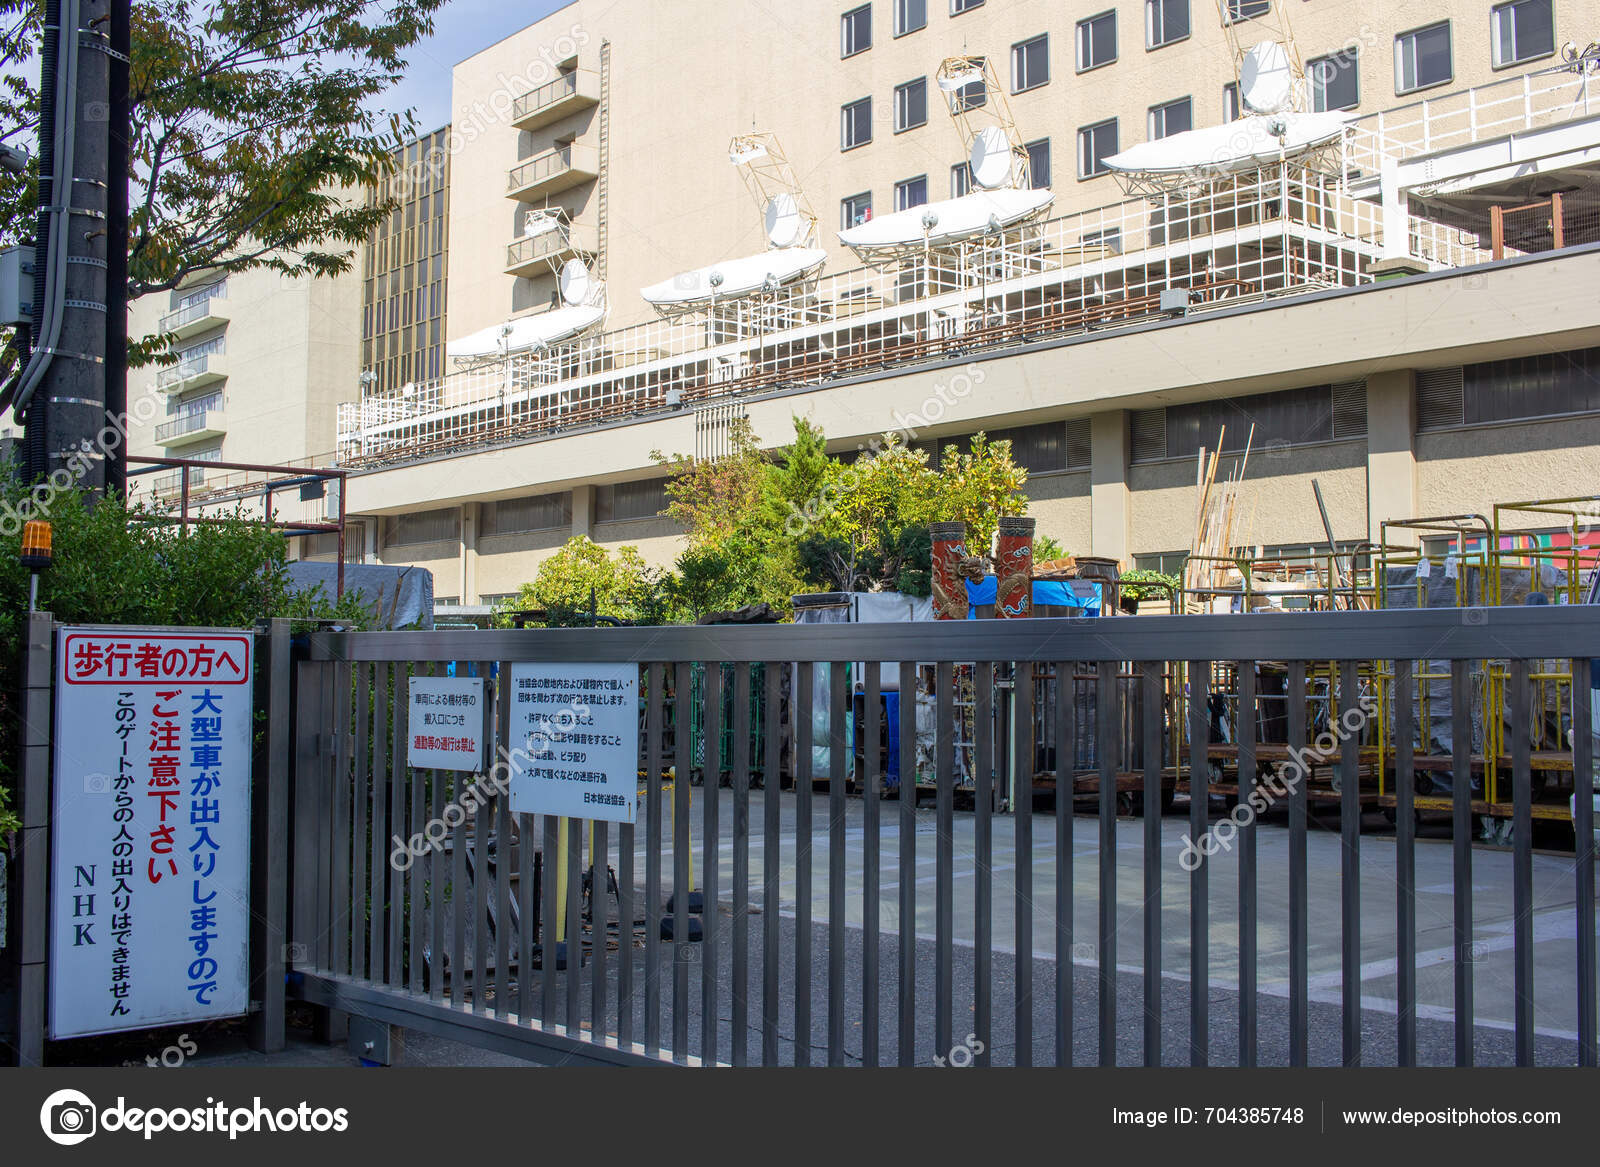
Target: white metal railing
x,y
1523,102
540,167
187,422
191,366
1274,232
189,313
547,94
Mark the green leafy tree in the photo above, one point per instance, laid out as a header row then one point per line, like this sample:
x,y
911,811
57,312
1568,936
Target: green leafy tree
x,y
978,486
256,126
621,586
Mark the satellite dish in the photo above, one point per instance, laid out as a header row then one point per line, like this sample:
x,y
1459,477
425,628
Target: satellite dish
x,y
951,82
784,225
991,158
1266,79
575,282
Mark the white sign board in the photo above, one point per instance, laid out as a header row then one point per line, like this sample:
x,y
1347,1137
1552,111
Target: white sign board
x,y
575,740
150,830
445,727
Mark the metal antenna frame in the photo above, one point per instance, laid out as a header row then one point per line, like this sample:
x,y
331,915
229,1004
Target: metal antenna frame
x,y
971,120
1271,25
770,175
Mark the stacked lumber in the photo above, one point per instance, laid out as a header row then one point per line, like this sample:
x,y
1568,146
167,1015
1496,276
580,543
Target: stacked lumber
x,y
1221,532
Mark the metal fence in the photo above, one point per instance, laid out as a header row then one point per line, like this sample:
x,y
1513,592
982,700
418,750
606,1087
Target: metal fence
x,y
830,929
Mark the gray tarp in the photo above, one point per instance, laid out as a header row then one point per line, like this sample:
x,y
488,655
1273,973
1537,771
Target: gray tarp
x,y
376,584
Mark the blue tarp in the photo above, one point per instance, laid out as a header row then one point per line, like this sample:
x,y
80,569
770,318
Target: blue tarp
x,y
1060,593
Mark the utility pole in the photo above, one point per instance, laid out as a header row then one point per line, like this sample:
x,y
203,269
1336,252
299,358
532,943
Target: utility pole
x,y
63,393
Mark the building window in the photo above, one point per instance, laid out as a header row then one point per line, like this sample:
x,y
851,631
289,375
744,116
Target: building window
x,y
614,502
1246,10
1172,117
539,512
856,209
1519,389
1096,143
1030,63
910,15
855,31
855,124
436,526
911,105
913,192
1097,41
1522,31
960,180
1334,81
1165,21
957,7
1038,163
1422,58
1232,108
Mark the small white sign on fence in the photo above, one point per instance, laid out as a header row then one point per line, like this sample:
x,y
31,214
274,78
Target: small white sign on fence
x,y
575,740
445,727
150,830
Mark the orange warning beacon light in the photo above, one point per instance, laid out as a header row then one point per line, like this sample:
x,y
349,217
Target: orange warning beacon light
x,y
35,556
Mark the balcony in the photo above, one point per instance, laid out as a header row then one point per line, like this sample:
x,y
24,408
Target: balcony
x,y
193,319
171,485
193,426
551,102
193,373
555,170
533,255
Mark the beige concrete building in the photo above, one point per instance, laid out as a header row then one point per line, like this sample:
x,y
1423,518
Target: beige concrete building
x,y
1397,313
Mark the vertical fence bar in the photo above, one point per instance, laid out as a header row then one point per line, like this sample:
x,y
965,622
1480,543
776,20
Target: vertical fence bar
x,y
303,906
500,704
363,795
944,866
322,778
1066,747
983,857
741,862
1106,760
711,784
414,875
526,909
1461,845
398,773
771,858
599,924
1521,698
1245,732
343,837
683,748
460,899
1299,900
803,784
838,723
1199,882
871,795
575,927
906,1039
436,882
269,842
1583,825
1150,745
1350,863
1405,827
1022,810
655,683
377,910
551,939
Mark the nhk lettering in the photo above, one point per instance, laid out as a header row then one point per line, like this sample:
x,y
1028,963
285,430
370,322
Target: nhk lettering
x,y
579,724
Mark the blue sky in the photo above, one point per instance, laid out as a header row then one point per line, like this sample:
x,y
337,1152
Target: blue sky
x,y
461,28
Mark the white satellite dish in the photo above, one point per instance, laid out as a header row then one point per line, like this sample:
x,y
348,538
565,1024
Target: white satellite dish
x,y
991,158
746,153
784,225
960,79
539,223
575,282
1266,78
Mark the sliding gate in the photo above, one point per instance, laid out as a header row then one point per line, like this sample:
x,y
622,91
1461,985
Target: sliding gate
x,y
765,918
